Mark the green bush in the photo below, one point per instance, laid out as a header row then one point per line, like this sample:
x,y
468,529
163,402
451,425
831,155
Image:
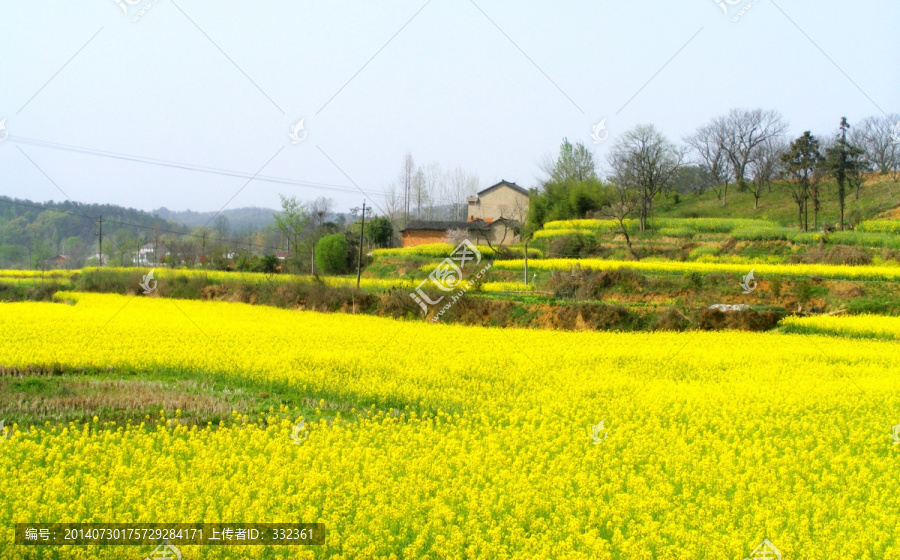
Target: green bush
x,y
703,250
766,233
677,232
333,254
267,264
694,279
573,246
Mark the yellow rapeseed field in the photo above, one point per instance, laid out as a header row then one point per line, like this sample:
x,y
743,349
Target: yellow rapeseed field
x,y
861,326
660,266
710,443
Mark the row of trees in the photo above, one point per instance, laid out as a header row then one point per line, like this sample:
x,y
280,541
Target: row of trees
x,y
745,149
332,247
427,192
749,149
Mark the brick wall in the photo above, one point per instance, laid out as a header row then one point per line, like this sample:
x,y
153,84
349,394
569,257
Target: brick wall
x,y
414,237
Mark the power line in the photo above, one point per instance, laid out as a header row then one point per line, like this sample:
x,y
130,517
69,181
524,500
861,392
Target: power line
x,y
205,169
185,166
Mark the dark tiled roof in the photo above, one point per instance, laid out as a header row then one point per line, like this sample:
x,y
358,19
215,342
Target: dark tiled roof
x,y
508,184
445,225
479,225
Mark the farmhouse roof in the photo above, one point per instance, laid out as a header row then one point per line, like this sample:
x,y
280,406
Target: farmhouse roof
x,y
445,225
508,184
477,224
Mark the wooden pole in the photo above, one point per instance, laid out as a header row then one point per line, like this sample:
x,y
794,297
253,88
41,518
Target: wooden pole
x,y
362,229
100,238
526,264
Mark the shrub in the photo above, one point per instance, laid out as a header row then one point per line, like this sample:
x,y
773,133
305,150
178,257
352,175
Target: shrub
x,y
747,320
842,254
671,320
839,254
694,279
267,264
703,250
765,233
333,254
804,290
577,245
676,232
775,284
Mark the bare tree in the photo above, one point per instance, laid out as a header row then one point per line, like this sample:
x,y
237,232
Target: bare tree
x,y
645,161
741,131
407,177
418,194
517,210
395,205
456,236
766,167
877,136
874,135
460,184
433,186
511,229
712,159
622,204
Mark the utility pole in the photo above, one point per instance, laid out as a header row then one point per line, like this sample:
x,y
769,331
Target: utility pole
x,y
100,237
526,264
362,229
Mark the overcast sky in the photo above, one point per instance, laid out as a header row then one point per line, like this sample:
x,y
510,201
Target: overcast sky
x,y
487,85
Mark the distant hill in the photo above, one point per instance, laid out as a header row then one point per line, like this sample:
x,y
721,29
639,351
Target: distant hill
x,y
31,232
239,219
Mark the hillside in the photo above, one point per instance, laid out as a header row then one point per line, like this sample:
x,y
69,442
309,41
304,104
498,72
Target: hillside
x,y
877,195
31,232
239,219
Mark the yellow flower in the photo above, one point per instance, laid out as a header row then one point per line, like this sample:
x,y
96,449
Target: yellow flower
x,y
462,442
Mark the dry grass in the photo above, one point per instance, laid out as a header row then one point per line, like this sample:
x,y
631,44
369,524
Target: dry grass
x,y
32,399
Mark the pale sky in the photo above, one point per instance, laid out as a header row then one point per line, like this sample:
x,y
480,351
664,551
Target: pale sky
x,y
487,85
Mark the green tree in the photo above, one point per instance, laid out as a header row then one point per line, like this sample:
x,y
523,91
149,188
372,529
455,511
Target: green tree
x,y
800,164
566,200
575,162
844,162
292,220
333,254
379,231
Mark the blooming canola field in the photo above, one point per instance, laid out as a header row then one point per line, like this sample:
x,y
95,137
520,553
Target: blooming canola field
x,y
713,441
862,326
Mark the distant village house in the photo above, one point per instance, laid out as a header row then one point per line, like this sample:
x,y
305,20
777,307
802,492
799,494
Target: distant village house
x,y
493,214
